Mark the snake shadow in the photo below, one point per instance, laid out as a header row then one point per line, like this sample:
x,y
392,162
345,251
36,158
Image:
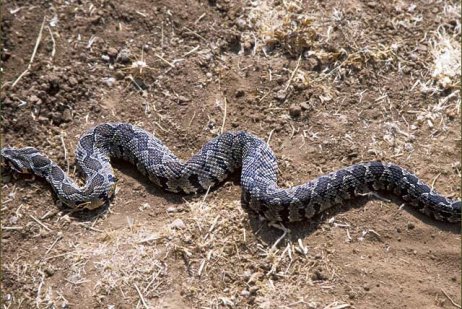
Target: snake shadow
x,y
302,229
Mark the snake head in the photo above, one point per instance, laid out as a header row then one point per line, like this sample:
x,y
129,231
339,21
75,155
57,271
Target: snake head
x,y
18,159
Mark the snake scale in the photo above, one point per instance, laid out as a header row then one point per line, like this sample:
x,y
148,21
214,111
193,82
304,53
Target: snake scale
x,y
212,164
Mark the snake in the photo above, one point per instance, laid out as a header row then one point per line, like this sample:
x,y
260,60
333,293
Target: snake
x,y
211,165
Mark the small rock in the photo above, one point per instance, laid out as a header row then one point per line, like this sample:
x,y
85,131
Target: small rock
x,y
49,271
106,58
318,276
178,224
124,56
312,63
109,81
67,115
372,4
253,289
366,288
410,226
112,52
241,24
240,93
119,74
183,99
73,81
171,209
295,111
280,95
42,119
245,293
35,100
304,106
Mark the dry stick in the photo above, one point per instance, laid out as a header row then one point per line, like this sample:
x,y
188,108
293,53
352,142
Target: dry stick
x,y
293,73
450,299
39,38
141,296
53,244
40,223
38,300
54,43
191,51
167,62
269,137
224,117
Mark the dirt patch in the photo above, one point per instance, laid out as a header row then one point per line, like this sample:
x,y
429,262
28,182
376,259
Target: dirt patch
x,y
328,83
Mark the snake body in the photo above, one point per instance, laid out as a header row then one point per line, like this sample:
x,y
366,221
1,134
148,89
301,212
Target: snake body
x,y
216,160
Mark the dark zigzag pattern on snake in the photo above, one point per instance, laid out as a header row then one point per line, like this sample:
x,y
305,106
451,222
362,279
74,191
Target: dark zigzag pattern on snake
x,y
212,165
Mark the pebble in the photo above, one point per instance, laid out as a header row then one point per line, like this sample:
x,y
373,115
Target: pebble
x,y
245,293
49,271
73,81
312,63
295,111
35,100
318,276
241,24
280,95
119,74
304,106
183,99
178,224
67,115
124,56
240,93
372,4
171,209
410,226
109,81
112,52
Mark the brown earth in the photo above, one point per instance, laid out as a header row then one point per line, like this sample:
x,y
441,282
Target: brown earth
x,y
328,83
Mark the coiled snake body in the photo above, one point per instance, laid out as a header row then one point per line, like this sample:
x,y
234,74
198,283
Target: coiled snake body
x,y
212,164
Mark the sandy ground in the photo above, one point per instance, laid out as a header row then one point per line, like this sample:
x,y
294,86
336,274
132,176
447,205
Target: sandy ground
x,y
327,83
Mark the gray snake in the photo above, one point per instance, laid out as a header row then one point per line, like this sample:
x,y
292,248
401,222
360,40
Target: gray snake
x,y
216,160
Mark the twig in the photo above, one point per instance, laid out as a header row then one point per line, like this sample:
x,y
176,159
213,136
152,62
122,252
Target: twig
x,y
141,296
38,300
293,73
191,51
169,63
224,117
53,244
53,51
199,19
434,180
206,194
39,38
269,137
90,227
12,228
192,118
40,223
450,299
